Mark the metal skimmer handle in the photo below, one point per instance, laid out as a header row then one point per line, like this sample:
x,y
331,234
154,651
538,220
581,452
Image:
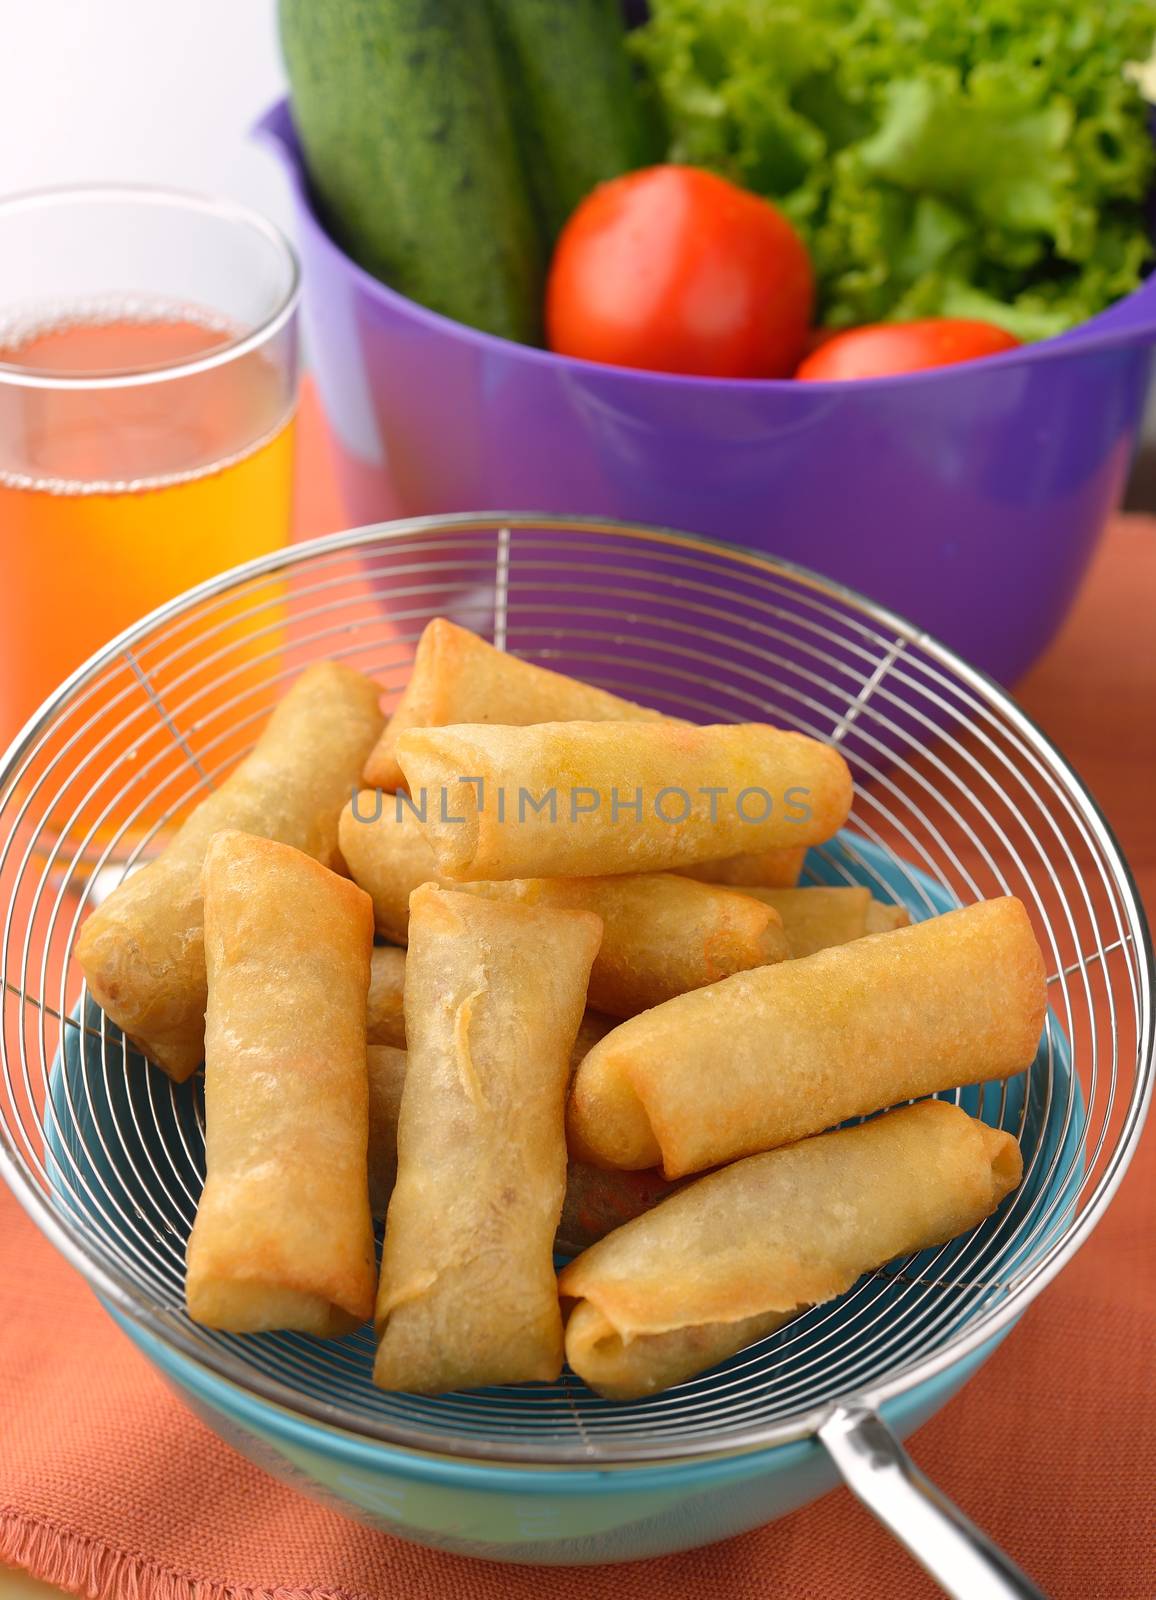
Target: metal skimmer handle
x,y
880,1473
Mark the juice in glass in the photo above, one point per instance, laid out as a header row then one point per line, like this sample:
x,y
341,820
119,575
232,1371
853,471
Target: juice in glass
x,y
147,392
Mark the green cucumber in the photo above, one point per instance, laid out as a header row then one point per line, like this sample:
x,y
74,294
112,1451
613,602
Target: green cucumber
x,y
578,110
405,125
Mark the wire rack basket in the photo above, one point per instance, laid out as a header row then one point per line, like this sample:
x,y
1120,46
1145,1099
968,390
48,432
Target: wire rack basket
x,y
959,796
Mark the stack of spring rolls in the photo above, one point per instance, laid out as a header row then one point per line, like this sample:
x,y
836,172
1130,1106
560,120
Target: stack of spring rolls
x,y
607,1023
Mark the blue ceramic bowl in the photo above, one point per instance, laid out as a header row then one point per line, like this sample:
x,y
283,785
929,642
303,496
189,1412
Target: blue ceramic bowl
x,y
126,1143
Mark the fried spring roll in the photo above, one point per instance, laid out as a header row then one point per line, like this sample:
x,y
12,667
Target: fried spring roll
x,y
385,849
458,677
387,1067
766,869
385,1010
142,951
770,1056
283,1237
733,1256
587,799
882,917
817,918
662,934
493,997
596,1202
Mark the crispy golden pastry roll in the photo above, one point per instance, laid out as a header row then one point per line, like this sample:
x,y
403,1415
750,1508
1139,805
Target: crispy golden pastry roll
x,y
387,1066
662,934
596,1202
882,916
775,1054
493,997
587,799
283,1237
386,851
764,869
458,677
142,951
385,1009
732,1256
819,917
815,918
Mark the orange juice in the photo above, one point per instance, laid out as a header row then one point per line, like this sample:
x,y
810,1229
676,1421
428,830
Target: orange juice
x,y
115,499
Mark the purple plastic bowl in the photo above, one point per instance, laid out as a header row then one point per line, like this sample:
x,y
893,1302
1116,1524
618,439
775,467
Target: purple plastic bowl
x,y
968,499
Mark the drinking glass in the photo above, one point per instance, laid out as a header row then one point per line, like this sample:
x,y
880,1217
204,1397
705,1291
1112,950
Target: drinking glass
x,y
148,382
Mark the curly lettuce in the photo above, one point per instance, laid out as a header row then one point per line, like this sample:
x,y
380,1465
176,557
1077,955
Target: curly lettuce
x,y
940,158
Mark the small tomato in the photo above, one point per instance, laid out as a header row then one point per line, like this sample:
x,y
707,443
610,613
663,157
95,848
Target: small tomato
x,y
673,269
883,348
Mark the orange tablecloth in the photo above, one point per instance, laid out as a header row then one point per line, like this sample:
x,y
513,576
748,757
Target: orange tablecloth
x,y
108,1486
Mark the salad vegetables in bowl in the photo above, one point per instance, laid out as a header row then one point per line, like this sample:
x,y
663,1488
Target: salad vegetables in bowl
x,y
858,281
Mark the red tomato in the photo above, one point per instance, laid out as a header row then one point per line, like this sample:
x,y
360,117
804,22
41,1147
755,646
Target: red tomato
x,y
675,270
882,348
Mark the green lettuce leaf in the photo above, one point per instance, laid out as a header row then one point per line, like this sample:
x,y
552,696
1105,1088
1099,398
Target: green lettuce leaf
x,y
939,158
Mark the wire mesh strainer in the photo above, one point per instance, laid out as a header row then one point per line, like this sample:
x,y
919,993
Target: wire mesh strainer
x,y
958,797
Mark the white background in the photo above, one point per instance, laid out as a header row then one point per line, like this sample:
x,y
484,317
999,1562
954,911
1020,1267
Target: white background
x,y
145,91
